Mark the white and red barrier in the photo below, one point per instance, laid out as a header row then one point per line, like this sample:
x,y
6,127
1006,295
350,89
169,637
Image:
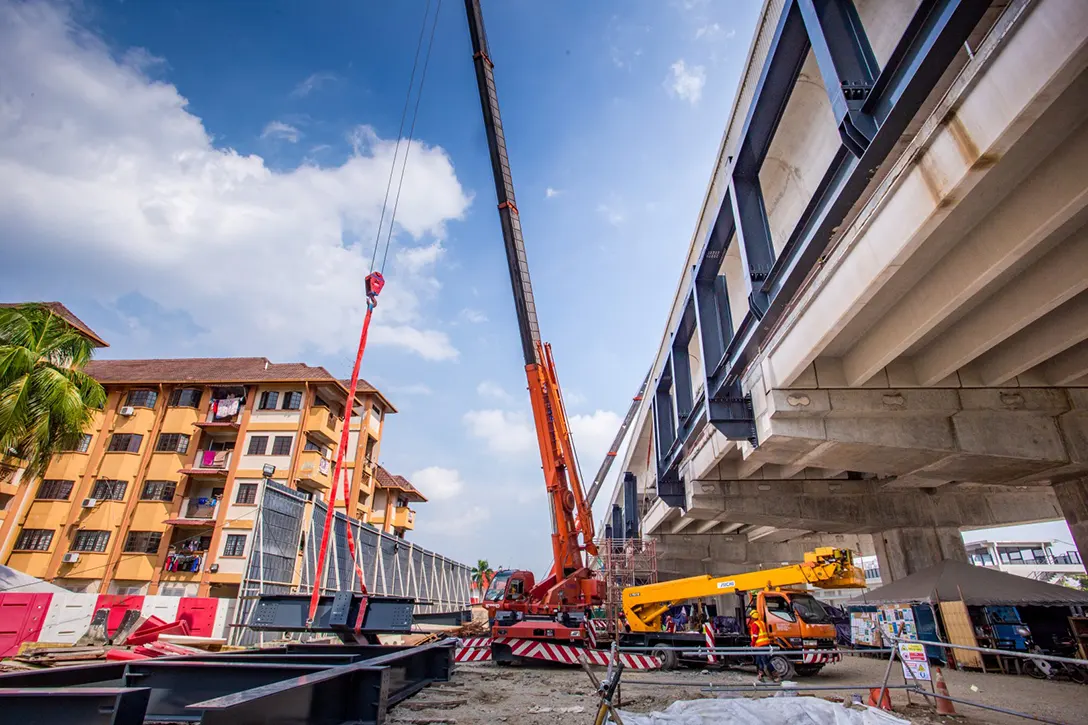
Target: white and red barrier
x,y
708,635
821,658
64,617
478,649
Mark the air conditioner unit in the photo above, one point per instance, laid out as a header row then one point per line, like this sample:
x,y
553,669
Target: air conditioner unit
x,y
70,558
89,503
127,410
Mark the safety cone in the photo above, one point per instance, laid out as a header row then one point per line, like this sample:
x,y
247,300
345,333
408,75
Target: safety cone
x,y
944,707
885,702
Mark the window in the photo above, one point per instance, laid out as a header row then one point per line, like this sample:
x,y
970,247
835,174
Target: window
x,y
247,493
204,543
55,490
91,541
780,608
377,413
281,446
235,546
34,540
143,542
186,398
106,489
142,398
82,445
125,443
258,445
292,400
370,443
172,443
159,491
268,401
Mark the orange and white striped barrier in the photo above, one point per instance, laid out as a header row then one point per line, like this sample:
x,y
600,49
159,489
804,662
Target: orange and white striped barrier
x,y
478,649
709,634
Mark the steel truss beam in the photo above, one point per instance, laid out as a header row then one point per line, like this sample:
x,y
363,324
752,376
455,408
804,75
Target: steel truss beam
x,y
320,684
872,108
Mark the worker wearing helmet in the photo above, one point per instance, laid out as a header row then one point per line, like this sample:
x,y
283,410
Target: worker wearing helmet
x,y
757,628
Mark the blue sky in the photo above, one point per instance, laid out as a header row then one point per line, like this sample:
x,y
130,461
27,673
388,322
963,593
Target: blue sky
x,y
199,179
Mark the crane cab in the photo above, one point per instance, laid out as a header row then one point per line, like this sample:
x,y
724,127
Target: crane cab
x,y
508,592
795,619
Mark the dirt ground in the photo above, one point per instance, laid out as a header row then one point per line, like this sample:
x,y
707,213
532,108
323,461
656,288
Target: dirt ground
x,y
480,694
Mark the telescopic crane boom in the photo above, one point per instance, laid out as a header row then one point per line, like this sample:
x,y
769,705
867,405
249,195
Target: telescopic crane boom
x,y
570,582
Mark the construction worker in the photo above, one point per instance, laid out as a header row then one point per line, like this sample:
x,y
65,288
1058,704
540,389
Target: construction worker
x,y
757,629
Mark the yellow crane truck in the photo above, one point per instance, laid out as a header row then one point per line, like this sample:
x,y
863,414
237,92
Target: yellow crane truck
x,y
796,621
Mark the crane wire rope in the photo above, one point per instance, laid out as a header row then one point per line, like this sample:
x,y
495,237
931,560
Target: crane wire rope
x,y
400,134
375,281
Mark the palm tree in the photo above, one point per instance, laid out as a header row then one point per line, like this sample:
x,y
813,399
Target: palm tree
x,y
482,574
46,400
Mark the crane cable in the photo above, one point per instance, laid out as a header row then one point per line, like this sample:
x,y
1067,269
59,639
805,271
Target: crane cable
x,y
375,281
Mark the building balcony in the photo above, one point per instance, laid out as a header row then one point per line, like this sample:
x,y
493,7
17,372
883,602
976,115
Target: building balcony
x,y
196,511
323,424
314,469
209,463
404,518
220,416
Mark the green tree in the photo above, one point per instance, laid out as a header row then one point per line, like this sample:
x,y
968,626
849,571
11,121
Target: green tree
x,y
46,400
482,574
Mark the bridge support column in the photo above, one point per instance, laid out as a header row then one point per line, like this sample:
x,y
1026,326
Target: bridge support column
x,y
904,551
1073,501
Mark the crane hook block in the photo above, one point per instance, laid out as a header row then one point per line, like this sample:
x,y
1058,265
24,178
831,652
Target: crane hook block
x,y
374,283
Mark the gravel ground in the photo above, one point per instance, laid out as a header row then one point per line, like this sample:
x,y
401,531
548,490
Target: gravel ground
x,y
482,694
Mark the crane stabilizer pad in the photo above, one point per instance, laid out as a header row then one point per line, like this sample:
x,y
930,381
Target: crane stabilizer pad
x,y
335,613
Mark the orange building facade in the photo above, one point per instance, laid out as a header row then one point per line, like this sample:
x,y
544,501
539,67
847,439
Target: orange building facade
x,y
162,494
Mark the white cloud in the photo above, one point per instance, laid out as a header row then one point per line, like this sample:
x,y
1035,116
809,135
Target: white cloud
x,y
312,83
105,175
708,30
504,432
473,316
416,259
411,389
592,435
460,522
281,130
686,83
488,389
611,214
550,192
438,484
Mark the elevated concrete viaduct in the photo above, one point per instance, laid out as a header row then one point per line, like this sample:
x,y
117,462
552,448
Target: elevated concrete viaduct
x,y
880,336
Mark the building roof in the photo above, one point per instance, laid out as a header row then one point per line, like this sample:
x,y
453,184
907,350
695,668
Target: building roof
x,y
363,387
387,480
952,581
224,370
65,314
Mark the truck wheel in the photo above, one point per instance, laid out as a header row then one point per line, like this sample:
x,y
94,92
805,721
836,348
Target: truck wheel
x,y
668,657
781,667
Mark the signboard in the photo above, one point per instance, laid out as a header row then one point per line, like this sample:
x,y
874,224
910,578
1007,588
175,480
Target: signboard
x,y
915,663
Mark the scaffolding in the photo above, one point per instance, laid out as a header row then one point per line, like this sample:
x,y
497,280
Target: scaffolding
x,y
624,563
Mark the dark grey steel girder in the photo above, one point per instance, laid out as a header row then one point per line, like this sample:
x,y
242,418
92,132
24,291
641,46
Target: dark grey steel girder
x,y
301,683
872,108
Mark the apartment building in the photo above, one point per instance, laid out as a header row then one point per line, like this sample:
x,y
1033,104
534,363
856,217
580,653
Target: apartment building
x,y
393,496
162,494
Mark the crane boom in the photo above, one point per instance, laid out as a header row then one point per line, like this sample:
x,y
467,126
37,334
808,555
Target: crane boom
x,y
826,568
614,449
570,582
504,187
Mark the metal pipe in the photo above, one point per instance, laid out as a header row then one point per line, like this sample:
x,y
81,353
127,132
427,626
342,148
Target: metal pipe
x,y
987,650
969,703
887,674
725,651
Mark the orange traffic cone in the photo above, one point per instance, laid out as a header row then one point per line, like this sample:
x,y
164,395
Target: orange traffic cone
x,y
944,707
885,702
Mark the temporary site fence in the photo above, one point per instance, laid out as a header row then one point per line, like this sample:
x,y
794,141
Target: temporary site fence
x,y
288,523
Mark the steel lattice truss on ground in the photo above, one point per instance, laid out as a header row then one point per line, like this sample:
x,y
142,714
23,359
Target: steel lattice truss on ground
x,y
287,523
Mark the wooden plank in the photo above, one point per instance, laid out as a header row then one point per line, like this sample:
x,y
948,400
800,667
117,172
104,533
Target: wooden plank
x,y
957,625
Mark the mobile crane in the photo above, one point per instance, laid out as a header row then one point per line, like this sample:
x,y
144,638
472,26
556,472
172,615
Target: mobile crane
x,y
521,607
795,619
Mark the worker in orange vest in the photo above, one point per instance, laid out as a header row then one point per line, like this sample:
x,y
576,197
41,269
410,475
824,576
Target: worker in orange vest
x,y
757,628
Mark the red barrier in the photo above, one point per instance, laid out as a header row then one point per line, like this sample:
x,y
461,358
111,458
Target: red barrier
x,y
21,617
118,604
